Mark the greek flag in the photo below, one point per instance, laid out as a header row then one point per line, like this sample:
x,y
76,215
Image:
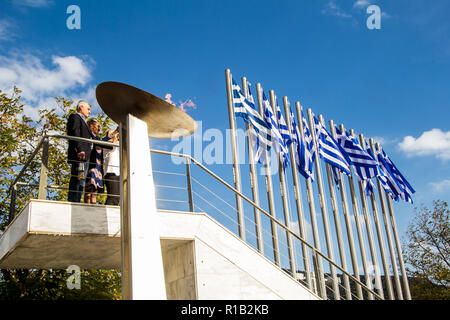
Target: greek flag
x,y
279,142
329,150
366,167
306,152
261,134
284,130
398,185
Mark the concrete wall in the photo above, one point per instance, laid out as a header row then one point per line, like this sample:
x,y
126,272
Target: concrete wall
x,y
202,259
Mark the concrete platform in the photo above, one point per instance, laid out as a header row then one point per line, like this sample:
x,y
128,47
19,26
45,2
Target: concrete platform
x,y
202,259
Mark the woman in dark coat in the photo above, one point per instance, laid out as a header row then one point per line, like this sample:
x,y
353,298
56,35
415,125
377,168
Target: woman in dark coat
x,y
94,178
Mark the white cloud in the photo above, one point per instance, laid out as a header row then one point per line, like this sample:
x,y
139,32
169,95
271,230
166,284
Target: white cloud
x,y
384,141
41,83
361,4
33,3
7,32
332,8
441,186
431,143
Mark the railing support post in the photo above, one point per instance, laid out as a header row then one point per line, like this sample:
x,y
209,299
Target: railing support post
x,y
189,185
44,171
12,205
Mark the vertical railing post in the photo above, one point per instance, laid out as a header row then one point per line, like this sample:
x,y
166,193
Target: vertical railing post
x,y
189,185
12,205
234,149
43,178
253,177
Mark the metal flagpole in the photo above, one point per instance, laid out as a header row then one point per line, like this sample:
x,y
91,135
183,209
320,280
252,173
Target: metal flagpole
x,y
236,169
398,285
312,210
373,253
347,221
253,177
269,187
323,207
397,243
298,196
287,220
359,232
379,234
337,224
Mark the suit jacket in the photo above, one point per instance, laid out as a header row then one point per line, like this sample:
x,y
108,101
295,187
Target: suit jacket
x,y
77,127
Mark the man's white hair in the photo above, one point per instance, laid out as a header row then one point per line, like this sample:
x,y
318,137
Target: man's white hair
x,y
80,103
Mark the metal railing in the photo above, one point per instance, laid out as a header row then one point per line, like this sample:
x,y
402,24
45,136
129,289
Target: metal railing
x,y
200,197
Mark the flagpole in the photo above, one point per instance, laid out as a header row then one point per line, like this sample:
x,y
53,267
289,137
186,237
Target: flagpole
x,y
323,208
397,242
269,187
287,220
387,275
312,210
369,227
236,168
253,177
359,232
337,221
398,285
298,196
348,225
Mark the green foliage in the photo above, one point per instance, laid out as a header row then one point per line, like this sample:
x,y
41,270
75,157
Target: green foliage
x,y
20,135
427,252
52,285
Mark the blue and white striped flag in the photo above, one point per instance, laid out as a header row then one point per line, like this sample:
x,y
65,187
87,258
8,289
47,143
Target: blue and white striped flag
x,y
398,185
284,130
261,134
329,150
398,175
306,151
278,142
366,167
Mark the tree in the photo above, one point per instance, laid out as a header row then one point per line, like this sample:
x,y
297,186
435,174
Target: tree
x,y
20,135
427,252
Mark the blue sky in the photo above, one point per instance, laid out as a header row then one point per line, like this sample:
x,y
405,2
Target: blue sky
x,y
392,83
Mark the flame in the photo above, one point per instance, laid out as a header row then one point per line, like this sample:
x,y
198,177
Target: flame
x,y
188,103
168,97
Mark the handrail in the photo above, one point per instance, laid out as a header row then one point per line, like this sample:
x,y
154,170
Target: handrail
x,y
265,212
190,158
25,166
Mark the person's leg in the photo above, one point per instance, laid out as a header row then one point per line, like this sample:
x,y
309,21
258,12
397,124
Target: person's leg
x,y
82,182
74,184
94,198
112,188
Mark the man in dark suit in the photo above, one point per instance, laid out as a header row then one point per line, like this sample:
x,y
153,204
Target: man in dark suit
x,y
78,152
